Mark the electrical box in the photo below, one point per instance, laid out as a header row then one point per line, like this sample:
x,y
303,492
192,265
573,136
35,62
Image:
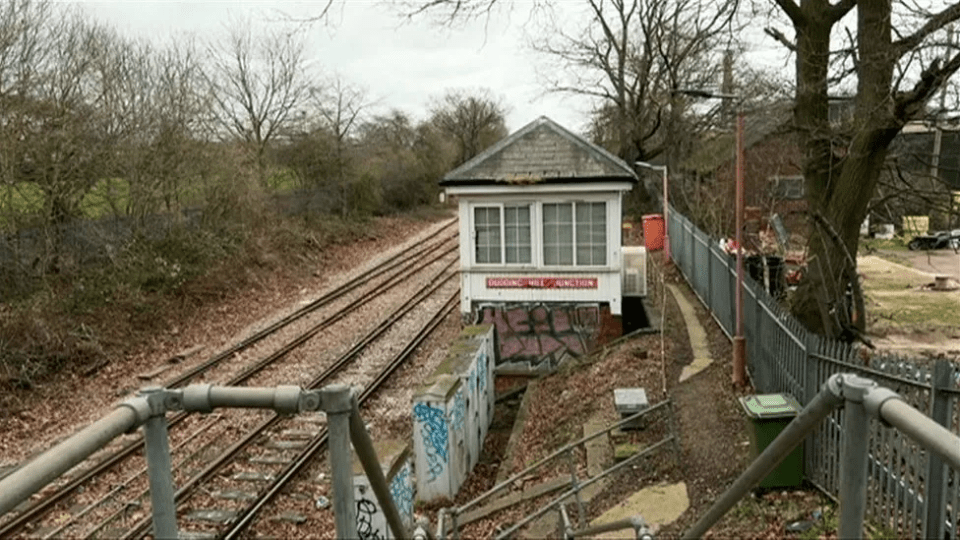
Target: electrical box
x,y
634,273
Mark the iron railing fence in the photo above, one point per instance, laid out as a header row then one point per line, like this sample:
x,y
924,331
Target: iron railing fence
x,y
910,491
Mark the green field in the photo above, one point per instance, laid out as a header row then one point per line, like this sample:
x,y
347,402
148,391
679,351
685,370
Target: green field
x,y
108,197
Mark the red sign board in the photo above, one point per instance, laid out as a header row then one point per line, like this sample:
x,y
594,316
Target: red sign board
x,y
541,283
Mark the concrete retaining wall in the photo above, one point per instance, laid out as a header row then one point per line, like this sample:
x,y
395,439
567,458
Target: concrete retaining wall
x,y
452,412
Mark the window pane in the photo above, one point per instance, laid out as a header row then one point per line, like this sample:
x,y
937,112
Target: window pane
x,y
591,234
487,222
516,224
558,234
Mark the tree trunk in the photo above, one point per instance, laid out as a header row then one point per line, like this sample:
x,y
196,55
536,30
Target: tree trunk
x,y
828,300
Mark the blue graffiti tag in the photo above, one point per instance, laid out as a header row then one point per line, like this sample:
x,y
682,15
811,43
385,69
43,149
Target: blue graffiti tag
x,y
459,411
434,431
401,488
482,371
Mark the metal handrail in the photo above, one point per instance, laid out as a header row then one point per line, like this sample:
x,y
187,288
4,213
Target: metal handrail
x,y
506,483
861,398
571,492
149,409
452,513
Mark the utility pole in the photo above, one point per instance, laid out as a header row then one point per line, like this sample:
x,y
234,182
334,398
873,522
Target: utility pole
x,y
739,375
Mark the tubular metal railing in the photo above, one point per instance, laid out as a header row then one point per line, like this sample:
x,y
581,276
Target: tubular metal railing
x,y
861,399
149,408
447,519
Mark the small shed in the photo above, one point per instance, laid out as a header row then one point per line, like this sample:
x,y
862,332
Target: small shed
x,y
540,222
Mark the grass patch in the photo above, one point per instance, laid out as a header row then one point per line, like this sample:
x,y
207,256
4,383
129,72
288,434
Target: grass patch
x,y
108,197
869,245
924,311
897,301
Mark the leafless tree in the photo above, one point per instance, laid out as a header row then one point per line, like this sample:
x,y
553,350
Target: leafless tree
x,y
340,107
896,58
257,82
407,159
474,121
631,56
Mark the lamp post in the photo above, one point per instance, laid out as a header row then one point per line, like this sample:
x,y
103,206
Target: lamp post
x,y
666,218
739,340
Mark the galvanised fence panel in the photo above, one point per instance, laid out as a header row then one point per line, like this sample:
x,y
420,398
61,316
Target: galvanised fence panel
x,y
910,492
701,271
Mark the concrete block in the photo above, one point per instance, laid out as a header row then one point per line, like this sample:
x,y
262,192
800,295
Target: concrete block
x,y
630,401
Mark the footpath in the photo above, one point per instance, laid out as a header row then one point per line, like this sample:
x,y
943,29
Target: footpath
x,y
662,504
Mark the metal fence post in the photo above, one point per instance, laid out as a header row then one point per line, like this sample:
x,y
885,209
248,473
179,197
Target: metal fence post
x,y
756,355
940,413
575,484
853,456
709,298
363,445
811,366
338,406
159,467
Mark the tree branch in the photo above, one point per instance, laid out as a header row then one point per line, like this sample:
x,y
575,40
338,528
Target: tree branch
x,y
779,36
908,104
793,12
840,9
934,23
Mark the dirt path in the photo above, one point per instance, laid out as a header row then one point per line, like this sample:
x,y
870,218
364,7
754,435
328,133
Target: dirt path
x,y
941,262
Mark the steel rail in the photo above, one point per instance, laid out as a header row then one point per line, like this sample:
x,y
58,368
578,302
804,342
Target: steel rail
x,y
290,472
183,493
42,506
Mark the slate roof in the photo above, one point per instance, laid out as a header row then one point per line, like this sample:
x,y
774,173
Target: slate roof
x,y
540,152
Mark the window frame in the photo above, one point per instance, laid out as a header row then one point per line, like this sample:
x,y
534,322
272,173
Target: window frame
x,y
789,187
575,232
502,207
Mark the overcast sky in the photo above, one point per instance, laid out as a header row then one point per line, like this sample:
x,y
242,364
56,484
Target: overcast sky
x,y
400,65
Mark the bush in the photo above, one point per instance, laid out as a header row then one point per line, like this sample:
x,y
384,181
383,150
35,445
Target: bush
x,y
34,345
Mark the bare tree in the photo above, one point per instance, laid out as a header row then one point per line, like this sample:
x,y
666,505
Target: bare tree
x,y
474,121
163,151
257,82
898,60
405,158
631,56
58,134
340,106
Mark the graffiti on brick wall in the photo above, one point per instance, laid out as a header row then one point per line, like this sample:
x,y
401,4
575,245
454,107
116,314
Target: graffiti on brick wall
x,y
539,333
433,429
401,488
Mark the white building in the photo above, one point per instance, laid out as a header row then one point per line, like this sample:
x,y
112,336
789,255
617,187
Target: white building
x,y
540,221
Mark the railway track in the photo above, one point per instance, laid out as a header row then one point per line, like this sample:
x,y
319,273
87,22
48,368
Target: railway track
x,y
107,498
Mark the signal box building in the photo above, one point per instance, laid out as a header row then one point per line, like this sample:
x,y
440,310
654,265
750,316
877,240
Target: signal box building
x,y
540,240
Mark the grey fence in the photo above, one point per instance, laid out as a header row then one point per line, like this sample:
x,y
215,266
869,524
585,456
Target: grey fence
x,y
911,492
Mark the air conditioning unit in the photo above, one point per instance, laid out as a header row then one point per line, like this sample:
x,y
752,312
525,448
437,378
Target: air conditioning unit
x,y
633,276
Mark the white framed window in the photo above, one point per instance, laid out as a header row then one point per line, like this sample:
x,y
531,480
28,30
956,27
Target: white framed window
x,y
787,187
575,234
502,234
